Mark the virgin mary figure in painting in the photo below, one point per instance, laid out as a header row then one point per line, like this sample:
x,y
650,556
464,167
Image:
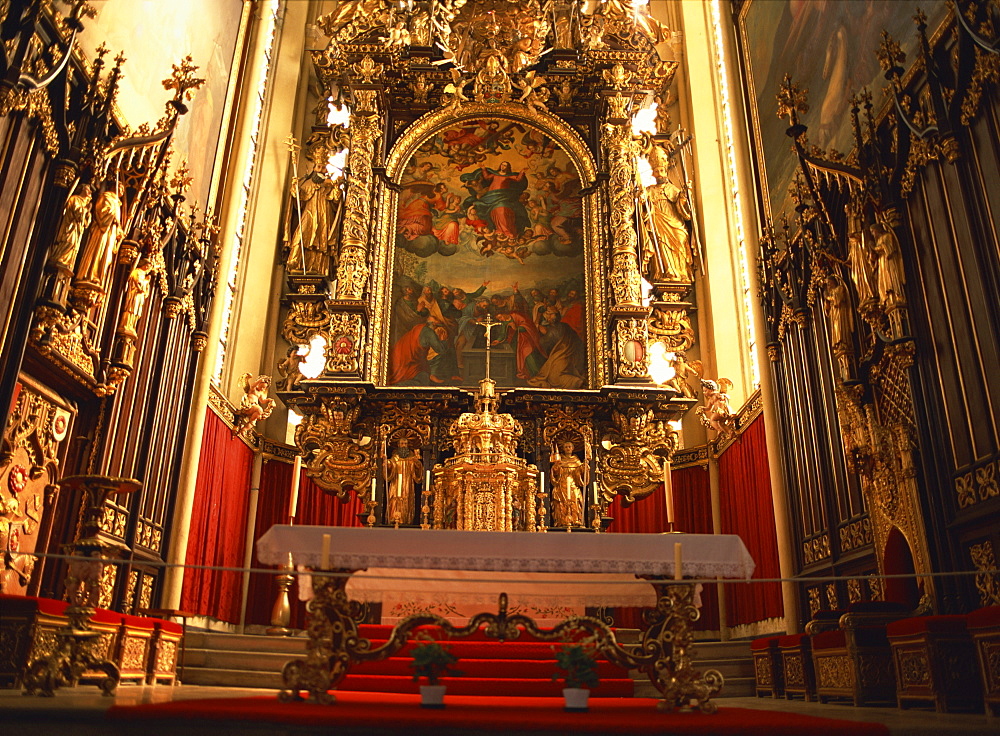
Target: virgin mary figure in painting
x,y
499,201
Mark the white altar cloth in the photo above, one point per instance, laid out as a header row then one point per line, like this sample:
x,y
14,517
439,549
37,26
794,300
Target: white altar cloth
x,y
703,555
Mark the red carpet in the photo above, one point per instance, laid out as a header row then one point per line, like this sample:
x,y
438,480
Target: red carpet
x,y
402,712
523,667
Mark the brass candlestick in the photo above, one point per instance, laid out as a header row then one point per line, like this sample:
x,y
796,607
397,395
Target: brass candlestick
x,y
281,613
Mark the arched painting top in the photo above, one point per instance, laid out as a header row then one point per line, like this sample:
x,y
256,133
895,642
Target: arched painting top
x,y
437,120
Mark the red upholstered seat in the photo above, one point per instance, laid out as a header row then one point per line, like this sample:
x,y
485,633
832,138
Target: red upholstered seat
x,y
138,622
768,671
170,627
984,627
102,616
984,617
792,640
928,624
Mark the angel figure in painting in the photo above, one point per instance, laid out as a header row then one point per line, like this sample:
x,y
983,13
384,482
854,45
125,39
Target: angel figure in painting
x,y
570,477
403,471
716,413
255,405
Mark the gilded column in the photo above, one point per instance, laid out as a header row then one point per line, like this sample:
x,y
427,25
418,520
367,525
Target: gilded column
x,y
631,361
353,267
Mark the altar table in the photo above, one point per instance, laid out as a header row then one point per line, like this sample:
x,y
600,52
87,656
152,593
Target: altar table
x,y
664,651
704,556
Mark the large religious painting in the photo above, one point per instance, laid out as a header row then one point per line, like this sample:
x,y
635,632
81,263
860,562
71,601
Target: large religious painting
x,y
489,229
829,48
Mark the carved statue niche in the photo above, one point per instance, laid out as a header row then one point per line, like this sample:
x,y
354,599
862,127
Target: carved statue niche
x,y
403,471
313,218
254,404
100,245
667,255
570,479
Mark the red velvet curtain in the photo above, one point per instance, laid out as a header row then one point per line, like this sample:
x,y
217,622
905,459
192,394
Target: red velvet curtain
x,y
314,508
745,490
218,523
692,513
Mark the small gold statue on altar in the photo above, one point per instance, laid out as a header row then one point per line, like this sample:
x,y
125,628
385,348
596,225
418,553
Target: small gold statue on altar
x,y
570,478
403,471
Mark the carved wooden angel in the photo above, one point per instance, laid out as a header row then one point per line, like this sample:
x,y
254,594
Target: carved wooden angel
x,y
290,371
716,413
255,405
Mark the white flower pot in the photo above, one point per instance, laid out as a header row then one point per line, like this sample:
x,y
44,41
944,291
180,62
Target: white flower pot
x,y
576,698
432,696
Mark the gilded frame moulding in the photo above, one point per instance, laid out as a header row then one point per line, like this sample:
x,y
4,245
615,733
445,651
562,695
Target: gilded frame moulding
x,y
569,140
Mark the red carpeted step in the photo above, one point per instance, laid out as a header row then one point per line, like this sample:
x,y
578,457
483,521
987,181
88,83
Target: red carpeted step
x,y
382,632
542,669
481,686
464,649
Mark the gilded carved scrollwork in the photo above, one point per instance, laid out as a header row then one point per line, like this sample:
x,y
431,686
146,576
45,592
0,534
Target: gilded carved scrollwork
x,y
637,448
984,562
620,148
337,458
345,343
353,268
35,431
406,419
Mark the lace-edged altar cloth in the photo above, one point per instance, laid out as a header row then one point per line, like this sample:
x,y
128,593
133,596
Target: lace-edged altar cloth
x,y
602,566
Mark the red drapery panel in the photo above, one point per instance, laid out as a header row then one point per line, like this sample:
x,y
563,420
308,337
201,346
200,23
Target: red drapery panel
x,y
692,513
314,507
745,490
218,523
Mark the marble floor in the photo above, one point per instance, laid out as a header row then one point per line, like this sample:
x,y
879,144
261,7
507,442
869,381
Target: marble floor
x,y
80,712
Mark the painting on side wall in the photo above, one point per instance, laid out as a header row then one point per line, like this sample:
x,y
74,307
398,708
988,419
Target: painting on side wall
x,y
153,36
489,229
828,47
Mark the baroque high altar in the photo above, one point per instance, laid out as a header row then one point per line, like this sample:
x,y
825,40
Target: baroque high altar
x,y
470,192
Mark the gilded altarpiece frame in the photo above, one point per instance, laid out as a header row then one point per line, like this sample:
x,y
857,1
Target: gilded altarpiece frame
x,y
563,138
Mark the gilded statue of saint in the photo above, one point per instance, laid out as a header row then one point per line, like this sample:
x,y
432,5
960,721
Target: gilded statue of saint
x,y
889,277
101,244
838,309
136,293
312,221
72,226
570,477
403,471
668,255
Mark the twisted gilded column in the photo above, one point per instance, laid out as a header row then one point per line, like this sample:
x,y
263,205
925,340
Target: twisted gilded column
x,y
629,316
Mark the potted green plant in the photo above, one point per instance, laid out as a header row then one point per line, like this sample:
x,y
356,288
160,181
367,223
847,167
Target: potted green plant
x,y
432,660
579,667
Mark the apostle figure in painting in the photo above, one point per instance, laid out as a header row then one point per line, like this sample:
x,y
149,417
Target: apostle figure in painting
x,y
101,244
566,359
312,221
403,471
74,222
136,293
570,477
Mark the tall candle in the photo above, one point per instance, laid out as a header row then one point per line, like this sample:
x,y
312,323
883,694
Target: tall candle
x,y
427,482
677,561
595,493
541,481
324,556
293,502
668,489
